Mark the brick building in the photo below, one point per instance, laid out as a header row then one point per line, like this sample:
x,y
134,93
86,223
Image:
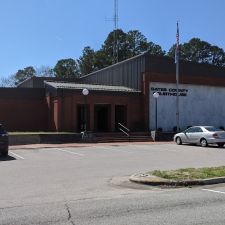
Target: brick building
x,y
119,93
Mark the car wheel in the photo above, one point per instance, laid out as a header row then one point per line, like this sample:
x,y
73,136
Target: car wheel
x,y
203,142
220,145
178,141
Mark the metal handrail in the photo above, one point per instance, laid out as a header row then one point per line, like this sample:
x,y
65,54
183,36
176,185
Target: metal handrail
x,y
123,128
120,124
124,132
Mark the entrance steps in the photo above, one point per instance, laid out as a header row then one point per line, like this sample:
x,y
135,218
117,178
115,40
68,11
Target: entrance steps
x,y
120,137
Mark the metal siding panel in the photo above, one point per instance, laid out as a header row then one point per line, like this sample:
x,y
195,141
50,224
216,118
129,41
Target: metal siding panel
x,y
127,73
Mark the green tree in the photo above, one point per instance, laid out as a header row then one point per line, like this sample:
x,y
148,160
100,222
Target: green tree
x,y
94,60
128,45
24,74
155,49
107,47
67,68
87,60
200,51
137,43
102,60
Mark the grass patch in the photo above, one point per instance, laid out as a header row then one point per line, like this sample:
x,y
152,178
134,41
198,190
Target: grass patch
x,y
190,173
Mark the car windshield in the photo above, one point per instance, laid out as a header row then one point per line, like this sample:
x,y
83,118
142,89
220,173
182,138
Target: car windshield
x,y
212,129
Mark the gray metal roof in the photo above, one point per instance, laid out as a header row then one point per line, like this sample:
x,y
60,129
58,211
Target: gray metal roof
x,y
93,87
127,73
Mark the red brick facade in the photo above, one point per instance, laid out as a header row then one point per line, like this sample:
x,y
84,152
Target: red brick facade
x,y
65,111
39,109
23,112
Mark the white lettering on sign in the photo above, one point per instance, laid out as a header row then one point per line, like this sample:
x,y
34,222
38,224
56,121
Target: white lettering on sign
x,y
170,91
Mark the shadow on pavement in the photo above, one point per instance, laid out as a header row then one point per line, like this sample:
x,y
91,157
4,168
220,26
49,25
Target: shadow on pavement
x,y
209,146
7,158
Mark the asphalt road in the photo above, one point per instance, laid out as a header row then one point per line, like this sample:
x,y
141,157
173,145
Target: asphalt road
x,y
89,185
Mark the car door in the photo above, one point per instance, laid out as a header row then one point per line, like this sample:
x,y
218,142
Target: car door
x,y
188,135
196,135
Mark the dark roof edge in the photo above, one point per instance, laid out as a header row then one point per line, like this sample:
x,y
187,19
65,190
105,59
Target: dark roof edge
x,y
30,78
165,57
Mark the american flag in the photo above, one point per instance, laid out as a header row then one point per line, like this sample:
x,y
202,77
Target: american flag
x,y
177,45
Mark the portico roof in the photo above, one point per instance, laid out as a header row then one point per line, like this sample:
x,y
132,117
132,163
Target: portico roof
x,y
93,87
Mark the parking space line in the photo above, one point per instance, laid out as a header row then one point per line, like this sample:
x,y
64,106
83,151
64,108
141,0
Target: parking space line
x,y
63,150
18,156
220,192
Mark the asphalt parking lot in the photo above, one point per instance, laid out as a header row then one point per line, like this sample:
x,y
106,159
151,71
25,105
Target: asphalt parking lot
x,y
77,170
35,177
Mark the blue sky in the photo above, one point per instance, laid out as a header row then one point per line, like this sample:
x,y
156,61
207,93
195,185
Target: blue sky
x,y
41,32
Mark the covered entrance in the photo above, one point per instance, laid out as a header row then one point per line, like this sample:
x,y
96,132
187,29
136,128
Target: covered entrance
x,y
120,115
102,118
83,117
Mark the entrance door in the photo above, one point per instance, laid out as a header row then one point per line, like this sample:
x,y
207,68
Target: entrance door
x,y
82,117
120,115
101,116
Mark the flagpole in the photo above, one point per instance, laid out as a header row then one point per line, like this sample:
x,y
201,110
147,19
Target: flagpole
x,y
177,96
177,79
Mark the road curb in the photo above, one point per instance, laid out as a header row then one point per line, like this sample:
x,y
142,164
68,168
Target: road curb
x,y
157,181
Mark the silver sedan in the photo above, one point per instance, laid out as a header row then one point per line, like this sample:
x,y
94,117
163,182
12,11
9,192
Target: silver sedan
x,y
201,135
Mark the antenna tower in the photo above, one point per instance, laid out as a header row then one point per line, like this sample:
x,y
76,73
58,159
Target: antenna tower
x,y
115,41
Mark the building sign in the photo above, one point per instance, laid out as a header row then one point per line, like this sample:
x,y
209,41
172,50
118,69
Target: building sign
x,y
169,91
198,105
